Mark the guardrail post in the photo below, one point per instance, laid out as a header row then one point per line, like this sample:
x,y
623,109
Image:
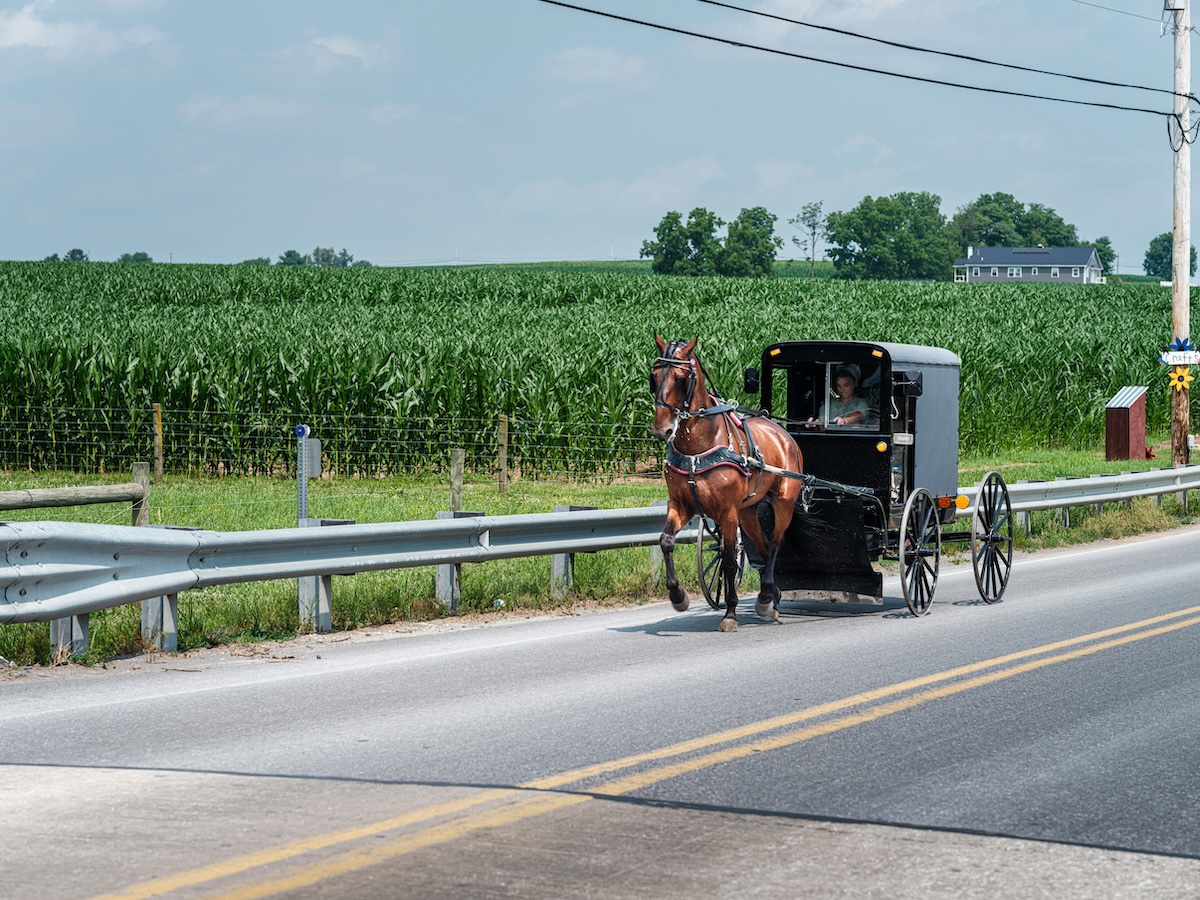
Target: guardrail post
x,y
160,615
447,576
160,622
69,636
562,565
315,592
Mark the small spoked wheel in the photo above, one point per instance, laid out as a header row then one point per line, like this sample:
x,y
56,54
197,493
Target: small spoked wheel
x,y
992,537
708,554
920,551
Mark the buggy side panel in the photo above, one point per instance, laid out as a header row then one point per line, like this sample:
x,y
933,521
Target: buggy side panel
x,y
825,554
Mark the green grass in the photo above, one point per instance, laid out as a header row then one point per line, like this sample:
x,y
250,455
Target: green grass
x,y
268,610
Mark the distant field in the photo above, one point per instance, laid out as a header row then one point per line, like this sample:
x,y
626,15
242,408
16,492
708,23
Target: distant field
x,y
566,347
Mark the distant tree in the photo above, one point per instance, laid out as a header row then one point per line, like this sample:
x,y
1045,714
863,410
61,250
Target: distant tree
x,y
322,256
139,257
1160,257
53,257
1001,220
344,259
292,258
812,224
361,264
750,245
76,255
1040,225
691,249
257,261
903,236
1104,250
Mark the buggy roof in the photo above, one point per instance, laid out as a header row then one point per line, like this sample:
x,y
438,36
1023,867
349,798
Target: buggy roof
x,y
900,354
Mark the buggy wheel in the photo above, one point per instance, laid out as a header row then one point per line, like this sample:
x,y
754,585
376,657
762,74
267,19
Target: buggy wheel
x,y
992,537
920,551
708,558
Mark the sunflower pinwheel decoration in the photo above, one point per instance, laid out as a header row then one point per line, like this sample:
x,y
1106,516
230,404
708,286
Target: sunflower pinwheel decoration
x,y
1181,377
1181,353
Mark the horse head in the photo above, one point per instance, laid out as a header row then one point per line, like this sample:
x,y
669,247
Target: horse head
x,y
677,381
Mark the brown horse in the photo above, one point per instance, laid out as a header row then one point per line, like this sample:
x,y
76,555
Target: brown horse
x,y
721,467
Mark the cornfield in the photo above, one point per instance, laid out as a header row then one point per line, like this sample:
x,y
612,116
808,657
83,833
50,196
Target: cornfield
x,y
393,366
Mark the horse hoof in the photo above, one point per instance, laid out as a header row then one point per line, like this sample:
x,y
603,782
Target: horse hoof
x,y
682,603
763,608
728,625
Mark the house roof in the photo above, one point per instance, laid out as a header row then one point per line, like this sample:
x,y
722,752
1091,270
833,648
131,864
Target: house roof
x,y
1027,256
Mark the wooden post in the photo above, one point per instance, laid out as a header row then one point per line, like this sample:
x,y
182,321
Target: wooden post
x,y
502,455
457,464
1181,247
158,443
141,508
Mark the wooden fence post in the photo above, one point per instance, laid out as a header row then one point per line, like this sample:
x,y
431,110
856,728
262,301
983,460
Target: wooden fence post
x,y
141,508
158,443
458,459
502,455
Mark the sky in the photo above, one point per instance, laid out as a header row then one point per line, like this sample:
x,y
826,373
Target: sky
x,y
433,131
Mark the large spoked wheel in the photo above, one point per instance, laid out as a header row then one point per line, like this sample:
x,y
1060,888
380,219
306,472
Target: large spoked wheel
x,y
992,537
920,551
708,553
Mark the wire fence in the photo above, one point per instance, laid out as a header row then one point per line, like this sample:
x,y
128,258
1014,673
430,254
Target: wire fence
x,y
220,443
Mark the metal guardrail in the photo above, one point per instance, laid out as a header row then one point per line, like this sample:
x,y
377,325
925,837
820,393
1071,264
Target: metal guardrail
x,y
57,569
52,570
1027,496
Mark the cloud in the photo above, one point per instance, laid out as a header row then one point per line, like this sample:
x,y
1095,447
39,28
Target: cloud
x,y
33,125
600,66
866,145
26,28
777,175
652,191
329,53
390,114
222,112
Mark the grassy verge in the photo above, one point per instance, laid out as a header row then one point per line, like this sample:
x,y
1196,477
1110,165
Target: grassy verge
x,y
267,610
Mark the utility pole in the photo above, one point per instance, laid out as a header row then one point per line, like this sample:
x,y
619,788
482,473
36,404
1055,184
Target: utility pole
x,y
1181,247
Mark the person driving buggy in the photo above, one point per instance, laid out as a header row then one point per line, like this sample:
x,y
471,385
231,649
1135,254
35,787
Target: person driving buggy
x,y
846,407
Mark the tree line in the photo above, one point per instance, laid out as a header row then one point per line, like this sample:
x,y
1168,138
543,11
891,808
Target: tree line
x,y
903,236
320,256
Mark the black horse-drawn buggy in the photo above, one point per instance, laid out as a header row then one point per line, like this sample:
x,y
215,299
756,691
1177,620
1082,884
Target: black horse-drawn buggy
x,y
874,475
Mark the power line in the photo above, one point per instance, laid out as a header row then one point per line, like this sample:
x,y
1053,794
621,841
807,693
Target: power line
x,y
844,65
1123,12
962,56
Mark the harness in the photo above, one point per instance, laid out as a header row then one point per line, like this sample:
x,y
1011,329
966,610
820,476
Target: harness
x,y
749,462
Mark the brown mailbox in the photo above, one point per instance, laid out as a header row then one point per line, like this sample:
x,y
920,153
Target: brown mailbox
x,y
1125,425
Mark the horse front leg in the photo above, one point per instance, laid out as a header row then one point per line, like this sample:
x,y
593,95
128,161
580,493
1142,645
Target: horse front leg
x,y
729,564
679,599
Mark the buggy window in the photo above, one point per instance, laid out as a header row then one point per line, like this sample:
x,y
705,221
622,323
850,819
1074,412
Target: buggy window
x,y
808,392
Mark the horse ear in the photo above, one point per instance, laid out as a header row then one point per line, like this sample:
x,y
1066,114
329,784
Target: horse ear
x,y
662,345
690,346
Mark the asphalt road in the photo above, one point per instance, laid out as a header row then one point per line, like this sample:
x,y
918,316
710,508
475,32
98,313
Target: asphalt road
x,y
1044,746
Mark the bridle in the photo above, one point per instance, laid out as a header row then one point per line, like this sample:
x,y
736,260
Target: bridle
x,y
695,368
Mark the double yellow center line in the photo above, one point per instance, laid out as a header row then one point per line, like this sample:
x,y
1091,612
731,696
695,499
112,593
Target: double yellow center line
x,y
502,806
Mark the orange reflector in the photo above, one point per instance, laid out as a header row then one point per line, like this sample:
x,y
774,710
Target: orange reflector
x,y
881,447
945,502
776,352
962,501
877,353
